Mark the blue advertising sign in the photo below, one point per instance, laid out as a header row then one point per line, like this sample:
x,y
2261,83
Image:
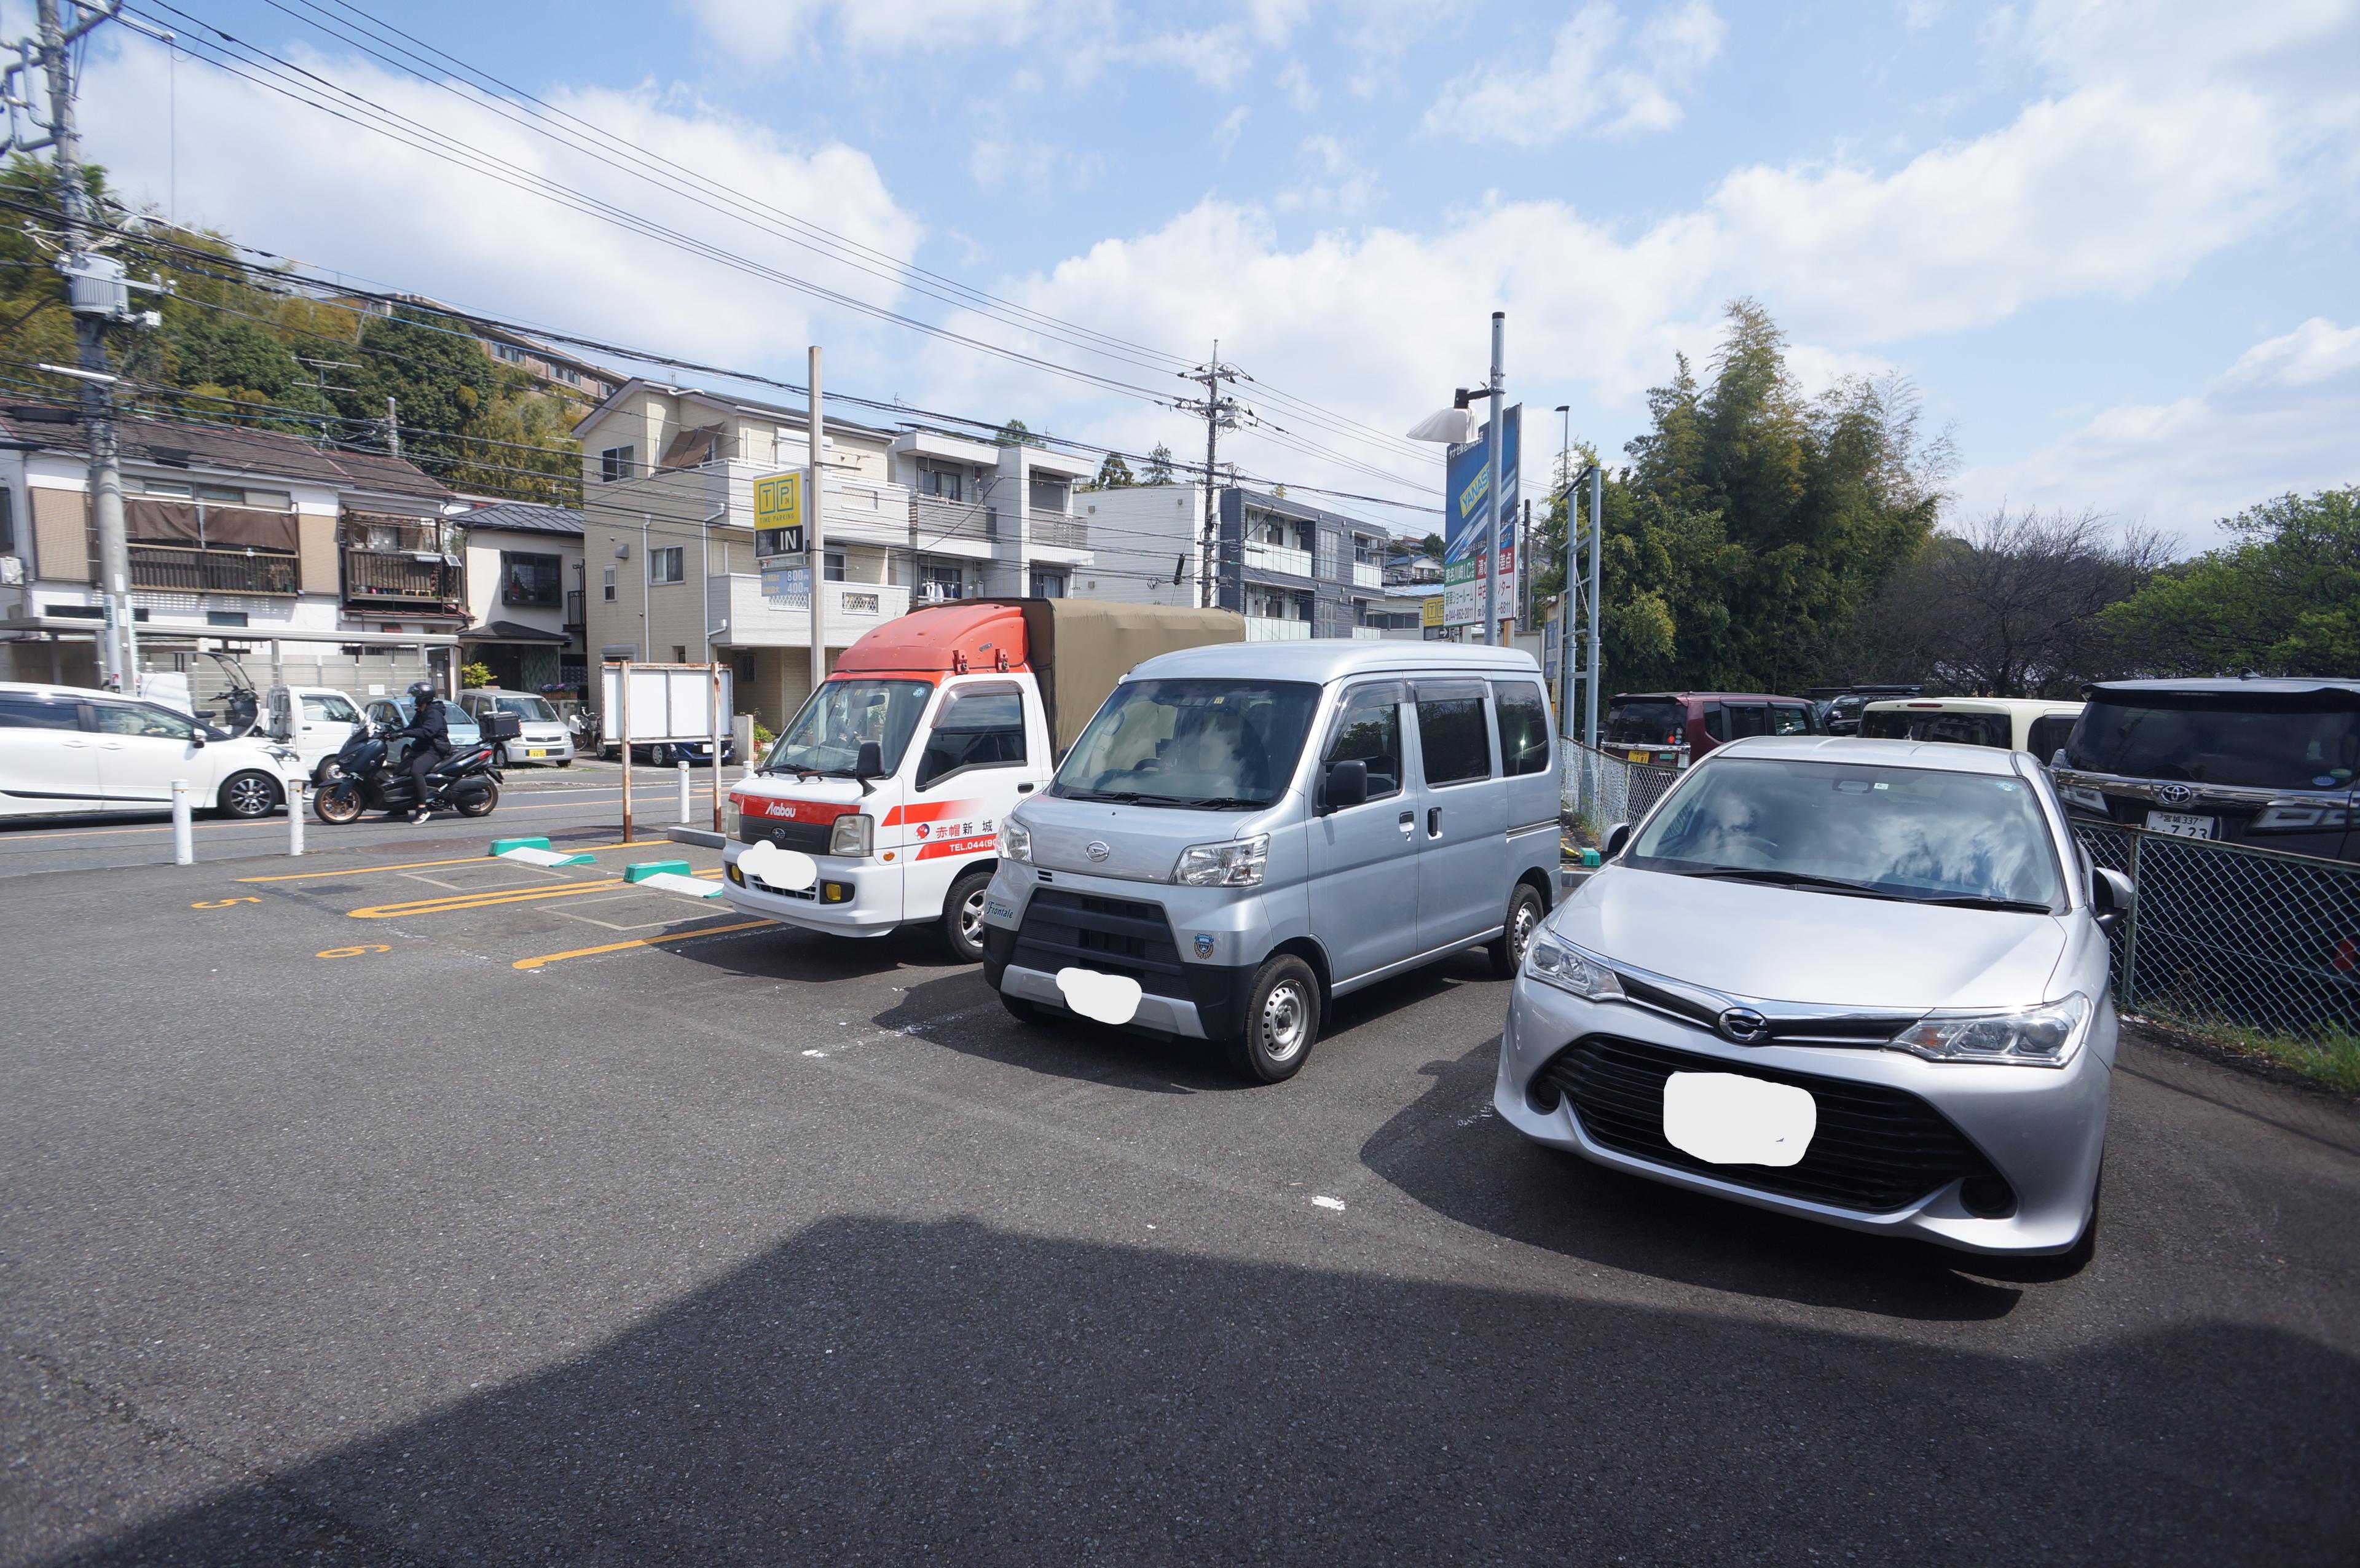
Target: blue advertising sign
x,y
1468,498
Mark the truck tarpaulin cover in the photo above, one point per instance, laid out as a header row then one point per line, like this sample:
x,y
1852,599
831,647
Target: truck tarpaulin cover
x,y
1080,647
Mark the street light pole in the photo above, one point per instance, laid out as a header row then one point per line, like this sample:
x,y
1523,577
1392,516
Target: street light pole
x,y
1491,556
1597,537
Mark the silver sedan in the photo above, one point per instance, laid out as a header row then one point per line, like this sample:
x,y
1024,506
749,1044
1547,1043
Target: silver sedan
x,y
1860,981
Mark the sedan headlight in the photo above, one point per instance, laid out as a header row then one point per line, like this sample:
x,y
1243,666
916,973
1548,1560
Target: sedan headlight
x,y
1570,969
1236,864
2045,1036
854,836
1015,842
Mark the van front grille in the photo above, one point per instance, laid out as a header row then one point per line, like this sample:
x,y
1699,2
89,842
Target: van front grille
x,y
1114,936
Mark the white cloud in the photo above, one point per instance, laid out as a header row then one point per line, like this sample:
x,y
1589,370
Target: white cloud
x,y
2279,418
1334,183
1302,97
1232,126
757,33
306,185
1586,81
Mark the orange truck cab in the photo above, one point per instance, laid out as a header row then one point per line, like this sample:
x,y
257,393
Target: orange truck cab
x,y
880,804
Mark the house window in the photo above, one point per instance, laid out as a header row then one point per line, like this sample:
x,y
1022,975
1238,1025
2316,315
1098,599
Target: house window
x,y
950,484
607,584
1049,494
668,564
7,519
1048,585
615,462
834,570
225,618
942,583
528,579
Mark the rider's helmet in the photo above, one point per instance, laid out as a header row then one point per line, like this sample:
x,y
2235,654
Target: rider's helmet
x,y
422,691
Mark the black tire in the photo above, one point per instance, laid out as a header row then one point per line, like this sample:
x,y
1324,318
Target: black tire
x,y
480,805
500,758
1022,1011
569,761
1524,919
1282,1021
963,916
338,803
252,793
327,773
660,756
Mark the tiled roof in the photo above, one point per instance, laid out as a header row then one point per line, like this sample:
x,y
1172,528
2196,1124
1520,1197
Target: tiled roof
x,y
262,455
524,517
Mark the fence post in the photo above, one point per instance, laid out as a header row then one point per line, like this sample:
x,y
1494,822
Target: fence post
x,y
295,817
2131,924
184,848
718,738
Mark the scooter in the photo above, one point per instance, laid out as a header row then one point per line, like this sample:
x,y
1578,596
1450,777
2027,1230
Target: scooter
x,y
469,781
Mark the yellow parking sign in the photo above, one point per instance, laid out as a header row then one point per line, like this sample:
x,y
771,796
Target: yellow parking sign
x,y
778,514
1430,611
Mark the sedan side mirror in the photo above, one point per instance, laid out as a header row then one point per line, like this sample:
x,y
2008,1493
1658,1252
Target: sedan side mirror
x,y
1616,837
2111,896
1348,784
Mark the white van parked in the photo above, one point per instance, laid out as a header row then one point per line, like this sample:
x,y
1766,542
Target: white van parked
x,y
69,748
2011,723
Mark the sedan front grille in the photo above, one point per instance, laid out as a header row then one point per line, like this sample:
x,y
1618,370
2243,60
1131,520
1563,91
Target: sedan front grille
x,y
1877,1149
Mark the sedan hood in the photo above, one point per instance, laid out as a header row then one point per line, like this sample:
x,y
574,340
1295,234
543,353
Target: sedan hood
x,y
1788,944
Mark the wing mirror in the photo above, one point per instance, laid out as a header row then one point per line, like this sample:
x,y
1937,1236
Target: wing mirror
x,y
1616,837
1348,784
867,763
2111,896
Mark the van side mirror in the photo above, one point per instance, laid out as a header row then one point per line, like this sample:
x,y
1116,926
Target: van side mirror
x,y
1348,784
1616,837
870,762
2111,896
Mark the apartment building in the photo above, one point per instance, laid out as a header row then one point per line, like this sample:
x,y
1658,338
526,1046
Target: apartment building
x,y
524,574
317,566
1292,570
909,516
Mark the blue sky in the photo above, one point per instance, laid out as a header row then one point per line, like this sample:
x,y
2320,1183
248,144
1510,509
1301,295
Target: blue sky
x,y
2113,245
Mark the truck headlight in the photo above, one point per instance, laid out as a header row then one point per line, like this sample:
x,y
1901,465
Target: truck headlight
x,y
854,835
1015,842
1236,864
1569,969
2045,1036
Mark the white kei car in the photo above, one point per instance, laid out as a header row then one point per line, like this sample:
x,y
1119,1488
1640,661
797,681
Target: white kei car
x,y
69,748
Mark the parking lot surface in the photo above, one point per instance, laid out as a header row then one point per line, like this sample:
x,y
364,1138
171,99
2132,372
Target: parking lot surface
x,y
401,1212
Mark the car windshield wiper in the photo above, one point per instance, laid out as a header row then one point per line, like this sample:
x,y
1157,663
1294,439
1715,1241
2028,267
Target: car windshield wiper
x,y
1979,901
1120,797
1796,879
1216,804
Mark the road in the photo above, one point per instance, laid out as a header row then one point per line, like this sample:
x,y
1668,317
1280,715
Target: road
x,y
581,802
402,1214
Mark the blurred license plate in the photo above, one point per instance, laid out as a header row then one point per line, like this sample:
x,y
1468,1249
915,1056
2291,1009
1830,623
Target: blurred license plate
x,y
536,753
1638,757
1727,1118
2179,824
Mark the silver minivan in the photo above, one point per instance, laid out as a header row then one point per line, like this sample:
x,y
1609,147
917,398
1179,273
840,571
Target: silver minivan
x,y
1246,832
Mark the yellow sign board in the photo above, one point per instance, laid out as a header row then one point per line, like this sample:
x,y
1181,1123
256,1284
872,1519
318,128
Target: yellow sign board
x,y
779,506
1430,611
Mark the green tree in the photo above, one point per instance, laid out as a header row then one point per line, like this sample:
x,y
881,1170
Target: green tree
x,y
1113,473
1432,546
1159,467
1015,433
2284,600
472,423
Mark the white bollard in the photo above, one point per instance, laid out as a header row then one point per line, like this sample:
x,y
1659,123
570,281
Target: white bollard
x,y
184,844
295,817
684,792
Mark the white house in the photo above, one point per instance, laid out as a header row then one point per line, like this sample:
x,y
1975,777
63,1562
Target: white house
x,y
525,596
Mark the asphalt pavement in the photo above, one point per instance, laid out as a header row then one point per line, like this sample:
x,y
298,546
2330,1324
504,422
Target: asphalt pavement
x,y
415,1208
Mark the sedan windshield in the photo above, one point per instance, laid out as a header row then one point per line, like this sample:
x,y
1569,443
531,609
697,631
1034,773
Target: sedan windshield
x,y
1917,833
842,715
1215,744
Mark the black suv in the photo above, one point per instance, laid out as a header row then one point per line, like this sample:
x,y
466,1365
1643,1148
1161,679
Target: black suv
x,y
2265,762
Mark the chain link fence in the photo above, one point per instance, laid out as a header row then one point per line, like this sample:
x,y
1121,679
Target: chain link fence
x,y
1597,789
2227,936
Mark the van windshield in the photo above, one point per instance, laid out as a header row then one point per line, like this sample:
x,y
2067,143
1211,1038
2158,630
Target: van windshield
x,y
1210,745
841,716
525,707
2261,740
1646,723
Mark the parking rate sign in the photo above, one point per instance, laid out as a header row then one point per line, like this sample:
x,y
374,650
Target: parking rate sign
x,y
778,514
1466,506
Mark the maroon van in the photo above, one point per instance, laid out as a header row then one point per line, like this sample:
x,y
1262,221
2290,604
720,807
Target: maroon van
x,y
1650,727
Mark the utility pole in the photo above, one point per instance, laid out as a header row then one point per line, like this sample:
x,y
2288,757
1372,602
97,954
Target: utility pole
x,y
1597,605
98,294
1220,412
392,426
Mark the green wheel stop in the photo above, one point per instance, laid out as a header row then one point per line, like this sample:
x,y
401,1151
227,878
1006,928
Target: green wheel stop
x,y
644,869
502,846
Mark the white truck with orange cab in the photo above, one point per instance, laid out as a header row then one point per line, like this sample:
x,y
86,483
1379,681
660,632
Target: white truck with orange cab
x,y
880,804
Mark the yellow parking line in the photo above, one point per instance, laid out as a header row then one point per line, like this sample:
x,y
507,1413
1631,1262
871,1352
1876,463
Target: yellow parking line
x,y
546,958
421,865
450,903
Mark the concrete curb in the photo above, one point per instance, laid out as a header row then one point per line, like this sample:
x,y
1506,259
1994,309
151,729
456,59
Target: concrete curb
x,y
705,836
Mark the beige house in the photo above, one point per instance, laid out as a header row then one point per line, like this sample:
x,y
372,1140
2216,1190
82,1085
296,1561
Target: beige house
x,y
909,516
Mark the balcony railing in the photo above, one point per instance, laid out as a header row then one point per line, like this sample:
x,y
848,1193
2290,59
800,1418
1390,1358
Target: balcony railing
x,y
1368,574
1271,628
1368,634
939,522
401,581
1277,558
1059,530
193,571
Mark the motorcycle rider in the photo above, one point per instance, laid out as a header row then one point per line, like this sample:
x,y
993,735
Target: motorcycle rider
x,y
428,734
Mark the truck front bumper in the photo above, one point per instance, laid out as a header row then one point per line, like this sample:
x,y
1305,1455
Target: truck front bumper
x,y
852,897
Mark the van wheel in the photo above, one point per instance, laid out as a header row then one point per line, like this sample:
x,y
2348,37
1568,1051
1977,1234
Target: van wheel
x,y
249,795
962,917
1282,1021
1524,919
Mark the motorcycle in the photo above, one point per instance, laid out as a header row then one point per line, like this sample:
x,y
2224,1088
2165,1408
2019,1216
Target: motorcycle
x,y
467,781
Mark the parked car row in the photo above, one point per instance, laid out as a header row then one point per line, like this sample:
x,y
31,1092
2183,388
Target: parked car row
x,y
65,749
